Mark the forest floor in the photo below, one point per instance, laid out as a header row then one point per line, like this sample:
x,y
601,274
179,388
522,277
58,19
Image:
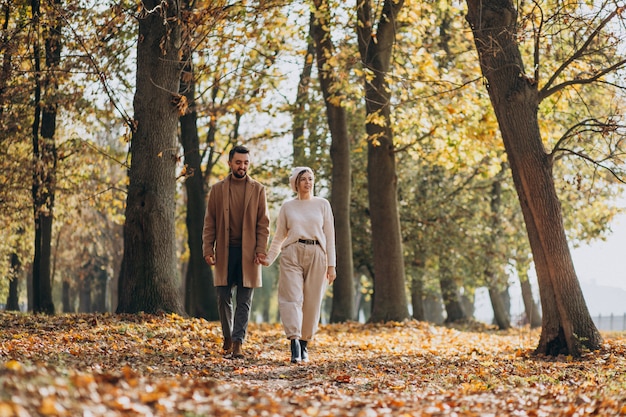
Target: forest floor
x,y
119,365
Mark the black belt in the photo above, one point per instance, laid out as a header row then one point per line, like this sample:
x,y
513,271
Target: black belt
x,y
309,241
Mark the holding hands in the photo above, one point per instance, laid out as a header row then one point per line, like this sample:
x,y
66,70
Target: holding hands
x,y
261,259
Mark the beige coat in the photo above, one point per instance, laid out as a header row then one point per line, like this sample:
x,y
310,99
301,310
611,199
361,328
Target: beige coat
x,y
255,233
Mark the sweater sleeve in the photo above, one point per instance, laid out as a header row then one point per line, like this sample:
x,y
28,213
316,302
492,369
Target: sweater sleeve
x,y
279,236
329,232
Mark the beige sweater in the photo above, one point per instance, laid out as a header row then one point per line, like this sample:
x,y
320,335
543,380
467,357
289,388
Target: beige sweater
x,y
305,219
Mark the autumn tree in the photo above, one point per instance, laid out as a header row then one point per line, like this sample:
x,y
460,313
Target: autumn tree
x,y
44,149
343,287
516,96
200,298
15,153
230,60
148,277
375,47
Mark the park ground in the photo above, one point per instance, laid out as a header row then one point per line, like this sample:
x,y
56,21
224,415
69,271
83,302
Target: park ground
x,y
167,365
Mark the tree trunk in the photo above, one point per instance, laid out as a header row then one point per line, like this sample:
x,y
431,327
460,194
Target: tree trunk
x,y
343,287
501,314
200,295
533,317
13,299
418,264
433,309
99,287
494,272
567,326
66,297
299,115
45,160
451,297
390,301
84,290
417,296
148,277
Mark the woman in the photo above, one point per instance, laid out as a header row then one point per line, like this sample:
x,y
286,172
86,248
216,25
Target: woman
x,y
305,235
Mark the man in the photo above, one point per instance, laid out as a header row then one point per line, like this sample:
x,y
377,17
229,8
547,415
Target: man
x,y
234,240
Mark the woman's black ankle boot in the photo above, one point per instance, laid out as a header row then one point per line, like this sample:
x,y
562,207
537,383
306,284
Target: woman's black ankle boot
x,y
296,355
304,352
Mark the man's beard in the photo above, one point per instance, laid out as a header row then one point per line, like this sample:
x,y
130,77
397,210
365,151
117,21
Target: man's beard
x,y
238,175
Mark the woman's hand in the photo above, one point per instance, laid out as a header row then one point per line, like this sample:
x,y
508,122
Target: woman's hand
x,y
331,274
261,259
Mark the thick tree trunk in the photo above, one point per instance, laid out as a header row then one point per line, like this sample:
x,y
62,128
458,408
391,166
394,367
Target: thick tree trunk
x,y
390,301
148,277
343,287
200,295
567,326
45,161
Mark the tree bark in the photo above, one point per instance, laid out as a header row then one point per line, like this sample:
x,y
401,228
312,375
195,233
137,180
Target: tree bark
x,y
433,309
567,326
148,276
299,117
200,295
417,286
45,160
451,297
343,287
66,297
13,300
84,289
501,314
390,301
494,271
417,297
533,317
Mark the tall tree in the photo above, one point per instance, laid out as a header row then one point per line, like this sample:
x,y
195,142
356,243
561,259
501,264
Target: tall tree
x,y
515,96
148,277
343,287
44,151
300,113
200,296
531,310
495,276
376,47
13,301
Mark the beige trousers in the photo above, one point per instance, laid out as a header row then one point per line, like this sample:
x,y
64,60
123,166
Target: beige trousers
x,y
301,287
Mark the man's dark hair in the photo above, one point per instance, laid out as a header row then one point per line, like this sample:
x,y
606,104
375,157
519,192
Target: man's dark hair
x,y
237,149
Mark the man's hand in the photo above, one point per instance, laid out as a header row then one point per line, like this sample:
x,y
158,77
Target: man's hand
x,y
331,274
210,259
261,259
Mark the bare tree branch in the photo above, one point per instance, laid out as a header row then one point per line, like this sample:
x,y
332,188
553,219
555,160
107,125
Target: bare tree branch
x,y
548,90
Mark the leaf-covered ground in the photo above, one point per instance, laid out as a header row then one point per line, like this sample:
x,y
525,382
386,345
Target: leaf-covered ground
x,y
111,365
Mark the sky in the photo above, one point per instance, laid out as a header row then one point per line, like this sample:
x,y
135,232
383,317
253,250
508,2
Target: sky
x,y
601,270
604,263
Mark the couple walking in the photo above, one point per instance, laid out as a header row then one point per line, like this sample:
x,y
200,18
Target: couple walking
x,y
235,238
